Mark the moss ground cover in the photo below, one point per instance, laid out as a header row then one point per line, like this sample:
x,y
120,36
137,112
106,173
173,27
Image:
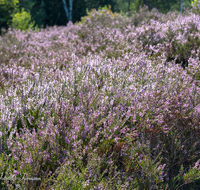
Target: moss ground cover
x,y
110,102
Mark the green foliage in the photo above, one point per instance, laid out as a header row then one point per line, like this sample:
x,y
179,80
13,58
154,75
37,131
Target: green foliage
x,y
163,6
39,13
26,4
9,3
7,8
36,9
196,6
127,6
55,13
22,21
194,3
177,6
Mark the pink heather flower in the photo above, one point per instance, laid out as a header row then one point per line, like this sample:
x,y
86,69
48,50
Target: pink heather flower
x,y
163,166
15,157
197,164
94,150
197,108
15,172
123,130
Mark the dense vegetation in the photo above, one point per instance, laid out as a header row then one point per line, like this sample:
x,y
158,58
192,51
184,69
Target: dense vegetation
x,y
45,13
112,102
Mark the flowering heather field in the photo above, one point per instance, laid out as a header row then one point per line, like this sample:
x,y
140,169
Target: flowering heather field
x,y
108,103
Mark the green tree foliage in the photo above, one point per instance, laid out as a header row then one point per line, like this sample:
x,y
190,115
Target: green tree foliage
x,y
93,4
36,9
7,8
51,12
79,10
22,21
177,5
195,3
124,6
196,6
55,13
38,13
162,5
27,5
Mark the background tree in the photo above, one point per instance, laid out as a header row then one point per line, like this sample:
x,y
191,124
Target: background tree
x,y
68,12
22,21
79,10
7,8
177,6
36,8
27,5
124,6
59,12
38,13
162,5
95,4
55,13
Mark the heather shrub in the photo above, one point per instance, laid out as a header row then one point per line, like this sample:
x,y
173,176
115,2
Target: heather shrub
x,y
144,16
102,12
101,104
